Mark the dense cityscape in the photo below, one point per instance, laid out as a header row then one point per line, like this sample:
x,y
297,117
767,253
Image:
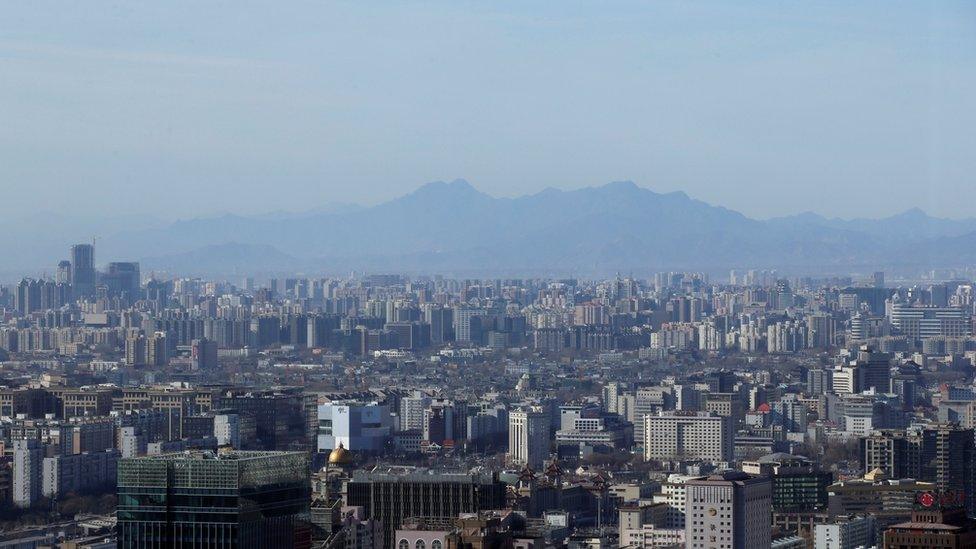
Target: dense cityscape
x,y
686,409
487,275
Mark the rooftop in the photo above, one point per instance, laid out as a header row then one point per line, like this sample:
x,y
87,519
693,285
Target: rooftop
x,y
206,455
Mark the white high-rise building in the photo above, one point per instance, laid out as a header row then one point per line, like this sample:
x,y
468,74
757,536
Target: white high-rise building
x,y
688,435
528,437
412,411
846,533
227,430
730,510
462,322
27,479
846,380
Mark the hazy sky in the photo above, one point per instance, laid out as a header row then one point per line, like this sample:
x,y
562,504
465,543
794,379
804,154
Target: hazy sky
x,y
181,109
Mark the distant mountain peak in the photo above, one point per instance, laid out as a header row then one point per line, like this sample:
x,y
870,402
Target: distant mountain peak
x,y
625,185
912,213
457,184
457,187
446,225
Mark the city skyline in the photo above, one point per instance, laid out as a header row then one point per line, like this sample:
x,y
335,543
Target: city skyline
x,y
454,275
748,410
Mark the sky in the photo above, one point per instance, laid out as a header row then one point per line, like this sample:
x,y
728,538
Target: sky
x,y
182,109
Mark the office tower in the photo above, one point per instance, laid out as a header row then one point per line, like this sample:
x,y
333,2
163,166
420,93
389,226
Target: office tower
x,y
942,455
203,354
728,510
722,381
486,421
412,411
797,484
846,380
819,381
726,404
395,493
953,463
875,369
229,499
879,279
410,335
873,298
905,382
122,278
463,318
297,327
820,331
321,328
939,295
264,331
83,270
609,396
688,435
889,452
528,437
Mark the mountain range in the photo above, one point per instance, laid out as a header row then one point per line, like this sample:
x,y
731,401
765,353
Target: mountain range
x,y
454,228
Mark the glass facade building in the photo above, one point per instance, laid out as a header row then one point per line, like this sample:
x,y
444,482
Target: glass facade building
x,y
226,500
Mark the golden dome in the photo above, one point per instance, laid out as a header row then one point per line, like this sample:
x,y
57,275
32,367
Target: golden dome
x,y
340,456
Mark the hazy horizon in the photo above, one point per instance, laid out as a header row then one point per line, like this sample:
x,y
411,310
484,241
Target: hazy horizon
x,y
301,210
767,109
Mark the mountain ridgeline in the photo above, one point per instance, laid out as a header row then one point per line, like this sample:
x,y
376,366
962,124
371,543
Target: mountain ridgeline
x,y
453,227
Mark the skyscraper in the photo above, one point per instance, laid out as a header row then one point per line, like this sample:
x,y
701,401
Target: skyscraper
x,y
83,270
875,368
123,278
728,510
528,437
953,462
226,500
26,482
462,323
